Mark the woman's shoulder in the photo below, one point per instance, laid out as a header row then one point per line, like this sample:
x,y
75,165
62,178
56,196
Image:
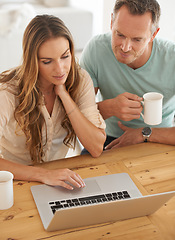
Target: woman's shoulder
x,y
85,79
9,87
84,75
8,92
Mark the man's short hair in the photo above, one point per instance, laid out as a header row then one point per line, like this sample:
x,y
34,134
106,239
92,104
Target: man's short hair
x,y
140,7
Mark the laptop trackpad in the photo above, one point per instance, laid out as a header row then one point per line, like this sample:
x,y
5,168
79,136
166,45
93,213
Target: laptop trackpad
x,y
91,188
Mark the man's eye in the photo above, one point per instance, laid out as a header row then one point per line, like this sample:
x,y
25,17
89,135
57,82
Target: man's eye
x,y
120,35
137,40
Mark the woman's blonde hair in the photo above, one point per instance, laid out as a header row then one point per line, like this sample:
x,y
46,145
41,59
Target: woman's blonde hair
x,y
27,113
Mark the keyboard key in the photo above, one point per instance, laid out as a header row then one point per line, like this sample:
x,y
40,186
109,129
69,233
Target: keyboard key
x,y
109,195
109,198
116,197
120,197
91,197
125,192
126,196
104,199
114,194
57,207
71,204
66,205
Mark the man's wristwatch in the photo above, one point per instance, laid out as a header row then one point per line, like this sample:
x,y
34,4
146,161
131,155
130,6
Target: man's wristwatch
x,y
146,133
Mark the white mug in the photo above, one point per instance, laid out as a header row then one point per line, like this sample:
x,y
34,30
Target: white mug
x,y
6,190
152,108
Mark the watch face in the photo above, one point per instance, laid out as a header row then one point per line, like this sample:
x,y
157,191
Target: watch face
x,y
146,131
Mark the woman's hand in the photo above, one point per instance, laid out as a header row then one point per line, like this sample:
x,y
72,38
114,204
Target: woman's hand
x,y
60,89
58,177
62,177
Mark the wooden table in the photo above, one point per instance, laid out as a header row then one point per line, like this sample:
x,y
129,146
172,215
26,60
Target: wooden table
x,y
152,168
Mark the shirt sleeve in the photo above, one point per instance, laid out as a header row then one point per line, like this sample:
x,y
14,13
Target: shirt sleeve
x,y
87,102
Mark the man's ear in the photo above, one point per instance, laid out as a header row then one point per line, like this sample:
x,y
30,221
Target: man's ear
x,y
112,19
154,34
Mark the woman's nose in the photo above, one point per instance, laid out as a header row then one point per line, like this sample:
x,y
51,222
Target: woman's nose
x,y
58,67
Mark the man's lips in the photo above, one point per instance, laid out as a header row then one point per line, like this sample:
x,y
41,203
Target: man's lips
x,y
125,55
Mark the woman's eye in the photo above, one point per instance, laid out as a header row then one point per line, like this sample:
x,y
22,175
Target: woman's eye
x,y
47,62
66,56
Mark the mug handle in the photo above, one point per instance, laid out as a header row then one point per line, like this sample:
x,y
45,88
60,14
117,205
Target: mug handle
x,y
142,102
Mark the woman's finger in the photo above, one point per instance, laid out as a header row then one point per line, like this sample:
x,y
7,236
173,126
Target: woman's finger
x,y
76,180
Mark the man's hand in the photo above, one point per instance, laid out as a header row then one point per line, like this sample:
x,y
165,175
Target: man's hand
x,y
130,136
126,106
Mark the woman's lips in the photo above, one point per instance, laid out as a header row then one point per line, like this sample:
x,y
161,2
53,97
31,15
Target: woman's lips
x,y
59,77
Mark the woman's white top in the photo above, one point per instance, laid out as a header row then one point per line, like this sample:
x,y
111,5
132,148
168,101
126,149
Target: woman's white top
x,y
13,143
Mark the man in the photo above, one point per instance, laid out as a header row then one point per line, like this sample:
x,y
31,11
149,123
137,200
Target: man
x,y
127,63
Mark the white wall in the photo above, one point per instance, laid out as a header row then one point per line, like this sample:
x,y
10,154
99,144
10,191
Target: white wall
x,y
167,20
102,10
94,6
107,10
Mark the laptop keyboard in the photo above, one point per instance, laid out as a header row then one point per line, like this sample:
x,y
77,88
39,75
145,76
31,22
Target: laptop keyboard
x,y
88,200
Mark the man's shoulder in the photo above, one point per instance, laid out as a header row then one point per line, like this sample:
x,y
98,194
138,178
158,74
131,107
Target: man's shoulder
x,y
164,44
96,48
101,39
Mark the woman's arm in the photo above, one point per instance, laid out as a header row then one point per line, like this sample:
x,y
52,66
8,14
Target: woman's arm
x,y
51,177
91,137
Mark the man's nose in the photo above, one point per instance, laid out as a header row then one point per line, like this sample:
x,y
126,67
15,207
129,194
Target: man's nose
x,y
126,45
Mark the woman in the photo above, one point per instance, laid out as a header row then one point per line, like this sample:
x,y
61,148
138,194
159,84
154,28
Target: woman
x,y
44,104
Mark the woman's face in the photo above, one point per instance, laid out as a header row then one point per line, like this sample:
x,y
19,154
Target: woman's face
x,y
54,58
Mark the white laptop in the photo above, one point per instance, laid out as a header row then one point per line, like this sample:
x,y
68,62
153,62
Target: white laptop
x,y
104,199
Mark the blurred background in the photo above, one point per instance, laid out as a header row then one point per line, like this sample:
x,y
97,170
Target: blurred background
x,y
84,18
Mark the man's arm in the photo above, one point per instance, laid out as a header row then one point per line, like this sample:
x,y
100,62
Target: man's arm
x,y
133,136
163,135
126,106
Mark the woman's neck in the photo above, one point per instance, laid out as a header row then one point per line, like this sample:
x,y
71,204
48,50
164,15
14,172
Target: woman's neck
x,y
47,90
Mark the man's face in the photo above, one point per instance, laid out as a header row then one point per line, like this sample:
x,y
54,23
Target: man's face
x,y
131,37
